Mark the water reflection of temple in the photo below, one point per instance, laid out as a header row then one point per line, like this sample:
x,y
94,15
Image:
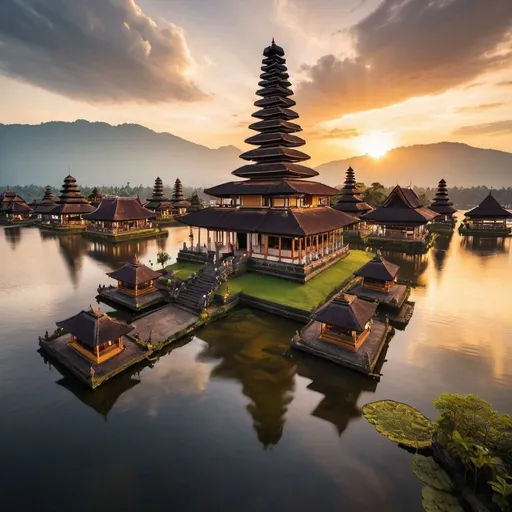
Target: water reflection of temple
x,y
440,250
341,389
115,255
73,248
484,246
412,266
255,358
13,235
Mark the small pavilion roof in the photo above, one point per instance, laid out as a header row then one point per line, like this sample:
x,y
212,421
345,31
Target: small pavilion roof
x,y
94,328
346,312
272,221
11,202
402,206
378,268
134,273
489,208
120,208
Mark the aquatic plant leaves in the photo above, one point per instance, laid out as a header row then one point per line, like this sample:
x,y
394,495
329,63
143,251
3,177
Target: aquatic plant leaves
x,y
430,472
400,423
434,500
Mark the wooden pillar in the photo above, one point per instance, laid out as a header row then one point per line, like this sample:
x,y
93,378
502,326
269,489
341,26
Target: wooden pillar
x,y
293,247
266,246
199,238
97,351
208,239
249,245
300,250
136,289
279,248
316,243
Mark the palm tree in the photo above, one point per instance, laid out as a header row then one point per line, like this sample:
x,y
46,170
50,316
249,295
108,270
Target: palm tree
x,y
375,194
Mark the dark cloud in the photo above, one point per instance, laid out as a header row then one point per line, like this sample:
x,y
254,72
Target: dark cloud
x,y
96,50
505,83
496,128
408,48
478,108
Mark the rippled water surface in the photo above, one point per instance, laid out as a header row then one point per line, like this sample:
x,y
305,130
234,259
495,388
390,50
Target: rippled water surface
x,y
227,420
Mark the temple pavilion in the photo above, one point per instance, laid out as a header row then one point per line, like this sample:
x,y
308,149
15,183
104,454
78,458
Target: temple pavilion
x,y
94,335
46,205
159,203
350,202
488,218
70,208
402,218
135,286
179,203
122,218
343,331
13,207
275,214
95,197
442,205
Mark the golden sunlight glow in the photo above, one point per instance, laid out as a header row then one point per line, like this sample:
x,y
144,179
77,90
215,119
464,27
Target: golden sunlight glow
x,y
375,144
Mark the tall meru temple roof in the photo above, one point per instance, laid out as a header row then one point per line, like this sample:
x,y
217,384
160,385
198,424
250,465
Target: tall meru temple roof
x,y
178,199
158,201
489,208
350,200
401,207
120,209
441,202
71,200
48,203
276,168
12,203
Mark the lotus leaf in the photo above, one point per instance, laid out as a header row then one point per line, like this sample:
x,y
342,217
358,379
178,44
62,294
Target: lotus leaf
x,y
434,500
400,423
430,472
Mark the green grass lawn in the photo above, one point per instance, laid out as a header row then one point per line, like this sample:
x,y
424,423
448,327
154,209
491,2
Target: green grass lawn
x,y
183,270
307,296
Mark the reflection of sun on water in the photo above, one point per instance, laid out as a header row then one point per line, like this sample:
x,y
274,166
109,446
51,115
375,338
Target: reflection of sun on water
x,y
375,144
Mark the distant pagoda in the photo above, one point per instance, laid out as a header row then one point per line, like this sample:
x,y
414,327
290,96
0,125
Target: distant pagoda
x,y
178,201
350,200
441,202
159,203
95,197
275,216
47,204
71,205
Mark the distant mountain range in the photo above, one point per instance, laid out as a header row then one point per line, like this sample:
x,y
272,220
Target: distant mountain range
x,y
101,154
424,165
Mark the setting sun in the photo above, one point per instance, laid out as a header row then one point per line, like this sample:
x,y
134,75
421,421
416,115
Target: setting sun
x,y
376,144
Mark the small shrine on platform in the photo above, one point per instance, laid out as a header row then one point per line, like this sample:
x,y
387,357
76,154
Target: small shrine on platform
x,y
489,218
442,205
345,332
13,208
135,287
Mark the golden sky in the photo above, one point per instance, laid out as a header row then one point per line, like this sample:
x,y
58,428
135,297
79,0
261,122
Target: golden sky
x,y
368,75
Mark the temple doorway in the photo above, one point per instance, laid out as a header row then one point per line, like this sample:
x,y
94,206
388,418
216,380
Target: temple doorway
x,y
242,240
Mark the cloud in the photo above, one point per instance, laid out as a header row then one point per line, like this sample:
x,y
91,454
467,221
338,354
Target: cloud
x,y
478,108
409,48
95,50
505,83
496,128
335,133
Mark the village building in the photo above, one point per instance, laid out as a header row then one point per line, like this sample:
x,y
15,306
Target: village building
x,y
489,218
71,206
344,331
44,207
13,208
401,219
135,286
274,215
442,205
94,335
121,218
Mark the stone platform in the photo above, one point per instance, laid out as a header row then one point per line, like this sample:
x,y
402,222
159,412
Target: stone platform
x,y
80,367
126,236
393,298
114,295
364,360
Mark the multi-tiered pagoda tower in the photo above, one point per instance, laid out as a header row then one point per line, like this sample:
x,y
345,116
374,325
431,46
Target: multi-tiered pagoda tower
x,y
95,197
179,204
71,205
442,204
350,200
159,203
47,204
275,215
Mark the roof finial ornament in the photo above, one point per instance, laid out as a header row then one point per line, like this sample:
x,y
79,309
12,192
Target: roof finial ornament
x,y
273,42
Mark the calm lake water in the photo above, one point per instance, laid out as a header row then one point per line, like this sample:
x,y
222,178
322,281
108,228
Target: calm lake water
x,y
226,420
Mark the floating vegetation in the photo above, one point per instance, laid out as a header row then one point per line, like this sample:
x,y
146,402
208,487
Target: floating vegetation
x,y
400,423
434,500
430,472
